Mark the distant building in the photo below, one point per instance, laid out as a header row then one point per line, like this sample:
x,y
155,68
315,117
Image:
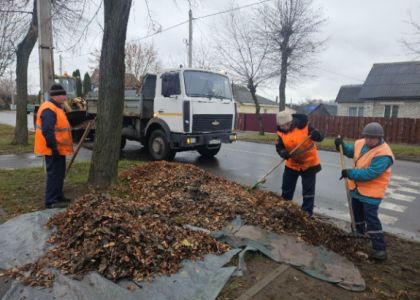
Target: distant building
x,y
324,109
390,90
245,103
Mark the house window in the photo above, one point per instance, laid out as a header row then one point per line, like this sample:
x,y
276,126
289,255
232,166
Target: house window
x,y
394,113
361,111
352,111
391,111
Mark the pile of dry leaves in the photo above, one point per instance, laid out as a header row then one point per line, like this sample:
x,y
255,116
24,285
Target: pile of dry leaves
x,y
140,232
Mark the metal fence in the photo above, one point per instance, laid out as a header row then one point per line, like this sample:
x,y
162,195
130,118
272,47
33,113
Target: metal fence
x,y
397,130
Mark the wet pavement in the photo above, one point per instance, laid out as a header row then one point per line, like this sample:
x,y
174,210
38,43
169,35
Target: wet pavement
x,y
245,162
9,117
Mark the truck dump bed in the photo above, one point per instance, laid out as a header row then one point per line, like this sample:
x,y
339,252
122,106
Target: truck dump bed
x,y
135,104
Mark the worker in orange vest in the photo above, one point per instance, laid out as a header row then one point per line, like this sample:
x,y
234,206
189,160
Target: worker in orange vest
x,y
54,141
304,162
367,182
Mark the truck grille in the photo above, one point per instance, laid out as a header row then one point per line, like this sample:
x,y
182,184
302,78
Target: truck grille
x,y
212,123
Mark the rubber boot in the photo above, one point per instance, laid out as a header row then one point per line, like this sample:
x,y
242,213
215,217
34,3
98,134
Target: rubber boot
x,y
379,255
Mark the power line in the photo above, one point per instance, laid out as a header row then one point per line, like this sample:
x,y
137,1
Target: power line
x,y
163,30
339,74
16,11
203,17
232,9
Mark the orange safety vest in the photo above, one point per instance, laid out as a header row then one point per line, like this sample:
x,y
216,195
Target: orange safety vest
x,y
304,157
62,132
374,188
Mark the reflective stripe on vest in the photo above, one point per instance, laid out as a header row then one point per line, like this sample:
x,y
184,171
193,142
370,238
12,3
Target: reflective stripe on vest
x,y
374,188
304,157
62,132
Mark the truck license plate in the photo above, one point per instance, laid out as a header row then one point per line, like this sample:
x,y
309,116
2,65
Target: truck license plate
x,y
214,142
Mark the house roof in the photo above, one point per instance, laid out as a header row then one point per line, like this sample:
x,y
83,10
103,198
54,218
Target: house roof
x,y
331,109
349,94
242,95
399,80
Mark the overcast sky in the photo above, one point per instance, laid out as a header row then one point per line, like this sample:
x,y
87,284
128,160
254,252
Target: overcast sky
x,y
360,33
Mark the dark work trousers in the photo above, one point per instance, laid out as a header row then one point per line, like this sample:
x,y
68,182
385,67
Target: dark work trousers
x,y
367,221
56,169
290,178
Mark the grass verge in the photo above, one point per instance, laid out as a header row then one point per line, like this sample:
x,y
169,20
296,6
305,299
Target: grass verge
x,y
401,151
6,137
22,190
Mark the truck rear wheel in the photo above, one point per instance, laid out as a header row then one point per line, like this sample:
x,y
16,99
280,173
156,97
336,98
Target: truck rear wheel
x,y
158,146
208,152
123,142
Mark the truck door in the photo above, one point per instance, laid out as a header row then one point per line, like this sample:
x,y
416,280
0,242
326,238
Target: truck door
x,y
168,101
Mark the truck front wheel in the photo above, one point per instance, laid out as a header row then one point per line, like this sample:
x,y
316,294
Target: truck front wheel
x,y
208,152
158,146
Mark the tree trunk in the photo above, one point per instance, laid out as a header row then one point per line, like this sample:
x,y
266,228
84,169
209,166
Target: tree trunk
x,y
23,53
253,90
283,74
104,166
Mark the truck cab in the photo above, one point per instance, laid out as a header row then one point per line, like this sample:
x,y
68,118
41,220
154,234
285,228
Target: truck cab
x,y
180,110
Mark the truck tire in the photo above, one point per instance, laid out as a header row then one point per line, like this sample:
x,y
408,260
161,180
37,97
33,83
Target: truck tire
x,y
158,146
208,152
123,142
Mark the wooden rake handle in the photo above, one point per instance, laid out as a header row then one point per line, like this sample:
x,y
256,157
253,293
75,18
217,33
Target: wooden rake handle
x,y
80,144
349,201
262,179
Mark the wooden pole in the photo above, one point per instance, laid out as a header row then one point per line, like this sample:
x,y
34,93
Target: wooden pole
x,y
349,201
264,178
45,47
80,144
190,38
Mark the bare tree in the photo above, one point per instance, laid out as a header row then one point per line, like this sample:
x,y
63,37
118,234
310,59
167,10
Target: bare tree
x,y
67,17
241,53
9,27
104,166
23,53
292,29
412,44
141,58
204,56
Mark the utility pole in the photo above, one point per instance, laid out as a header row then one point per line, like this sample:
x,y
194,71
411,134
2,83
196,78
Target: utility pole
x,y
61,65
190,39
45,44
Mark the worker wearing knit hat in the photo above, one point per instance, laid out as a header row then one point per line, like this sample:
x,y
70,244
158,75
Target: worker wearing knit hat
x,y
54,141
367,182
303,162
57,90
283,117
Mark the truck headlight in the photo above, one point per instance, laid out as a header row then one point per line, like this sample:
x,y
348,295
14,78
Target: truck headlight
x,y
233,137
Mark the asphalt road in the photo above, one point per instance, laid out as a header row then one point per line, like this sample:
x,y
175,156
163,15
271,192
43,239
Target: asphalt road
x,y
245,162
9,117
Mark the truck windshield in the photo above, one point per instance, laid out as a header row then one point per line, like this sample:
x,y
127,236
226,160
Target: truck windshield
x,y
69,84
206,84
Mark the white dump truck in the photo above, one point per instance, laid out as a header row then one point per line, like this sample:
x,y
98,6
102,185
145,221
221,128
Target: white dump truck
x,y
178,110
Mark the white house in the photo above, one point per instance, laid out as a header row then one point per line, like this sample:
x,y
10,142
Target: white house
x,y
390,90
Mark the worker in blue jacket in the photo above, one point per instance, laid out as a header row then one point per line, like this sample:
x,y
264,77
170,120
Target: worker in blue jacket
x,y
367,182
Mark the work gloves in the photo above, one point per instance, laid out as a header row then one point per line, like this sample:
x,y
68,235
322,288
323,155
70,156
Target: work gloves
x,y
284,154
344,174
338,141
316,135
